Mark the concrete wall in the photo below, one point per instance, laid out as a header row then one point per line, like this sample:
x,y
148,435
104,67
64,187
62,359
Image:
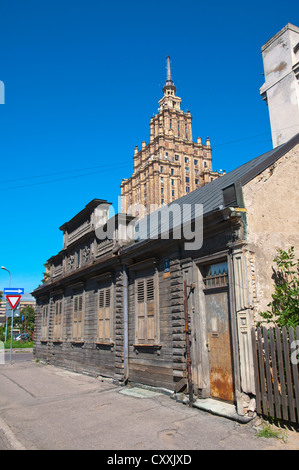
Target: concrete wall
x,y
281,87
271,200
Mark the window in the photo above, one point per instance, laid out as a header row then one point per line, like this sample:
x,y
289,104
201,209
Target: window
x,y
205,164
172,193
161,179
229,195
187,179
186,160
104,315
162,201
57,332
186,169
176,157
78,317
45,312
146,311
162,190
196,181
195,162
216,275
196,172
172,182
187,189
172,171
161,169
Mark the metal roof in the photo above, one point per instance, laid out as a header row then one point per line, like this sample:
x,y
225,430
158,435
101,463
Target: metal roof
x,y
210,195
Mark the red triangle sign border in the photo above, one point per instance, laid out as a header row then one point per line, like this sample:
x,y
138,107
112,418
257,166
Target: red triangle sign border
x,y
10,299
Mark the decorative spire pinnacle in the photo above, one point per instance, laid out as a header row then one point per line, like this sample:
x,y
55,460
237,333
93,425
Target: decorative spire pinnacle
x,y
169,82
168,79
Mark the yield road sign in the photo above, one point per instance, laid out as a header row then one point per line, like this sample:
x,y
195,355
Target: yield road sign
x,y
13,290
13,300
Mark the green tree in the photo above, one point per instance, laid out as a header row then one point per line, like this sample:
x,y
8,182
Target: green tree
x,y
27,313
284,307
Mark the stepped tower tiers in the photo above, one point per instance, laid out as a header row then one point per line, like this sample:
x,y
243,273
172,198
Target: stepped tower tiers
x,y
171,164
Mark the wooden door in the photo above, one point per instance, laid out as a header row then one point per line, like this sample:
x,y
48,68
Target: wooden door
x,y
219,344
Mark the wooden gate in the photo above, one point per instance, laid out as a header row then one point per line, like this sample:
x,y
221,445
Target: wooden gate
x,y
276,357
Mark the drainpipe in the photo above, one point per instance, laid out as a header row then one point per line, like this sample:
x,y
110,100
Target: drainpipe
x,y
125,324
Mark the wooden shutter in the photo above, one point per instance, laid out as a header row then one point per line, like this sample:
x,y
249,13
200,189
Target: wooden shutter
x,y
140,310
146,310
104,314
45,322
150,309
78,317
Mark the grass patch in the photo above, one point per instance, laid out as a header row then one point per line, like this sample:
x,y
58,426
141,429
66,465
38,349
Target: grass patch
x,y
19,344
271,431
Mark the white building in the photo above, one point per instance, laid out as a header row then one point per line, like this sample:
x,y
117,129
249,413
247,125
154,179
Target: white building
x,y
281,87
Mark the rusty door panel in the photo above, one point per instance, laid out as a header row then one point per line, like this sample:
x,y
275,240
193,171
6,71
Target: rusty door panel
x,y
219,344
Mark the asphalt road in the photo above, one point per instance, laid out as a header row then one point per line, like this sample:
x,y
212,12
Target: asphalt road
x,y
46,408
19,356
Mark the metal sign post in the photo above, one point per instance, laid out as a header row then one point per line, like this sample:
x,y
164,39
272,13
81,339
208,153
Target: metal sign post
x,y
13,301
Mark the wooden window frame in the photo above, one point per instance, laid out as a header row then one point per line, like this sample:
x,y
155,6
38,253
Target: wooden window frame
x,y
45,321
58,314
78,318
147,331
105,302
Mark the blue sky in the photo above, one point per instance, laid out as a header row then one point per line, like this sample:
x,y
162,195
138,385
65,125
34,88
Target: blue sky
x,y
82,80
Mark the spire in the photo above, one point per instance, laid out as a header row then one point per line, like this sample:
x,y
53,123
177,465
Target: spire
x,y
169,82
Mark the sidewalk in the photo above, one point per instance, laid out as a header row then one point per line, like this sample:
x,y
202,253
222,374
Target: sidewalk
x,y
44,407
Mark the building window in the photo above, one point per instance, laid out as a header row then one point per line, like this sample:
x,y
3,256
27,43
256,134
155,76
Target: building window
x,y
161,169
162,190
162,201
196,181
57,332
104,315
78,317
195,162
172,193
146,311
172,182
162,180
176,157
187,189
205,164
186,169
45,313
186,160
187,179
216,275
172,171
196,171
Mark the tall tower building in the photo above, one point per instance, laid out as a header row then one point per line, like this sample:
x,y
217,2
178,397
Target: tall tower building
x,y
171,164
281,87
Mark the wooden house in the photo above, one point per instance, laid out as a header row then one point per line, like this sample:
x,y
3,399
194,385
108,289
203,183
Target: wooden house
x,y
115,307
